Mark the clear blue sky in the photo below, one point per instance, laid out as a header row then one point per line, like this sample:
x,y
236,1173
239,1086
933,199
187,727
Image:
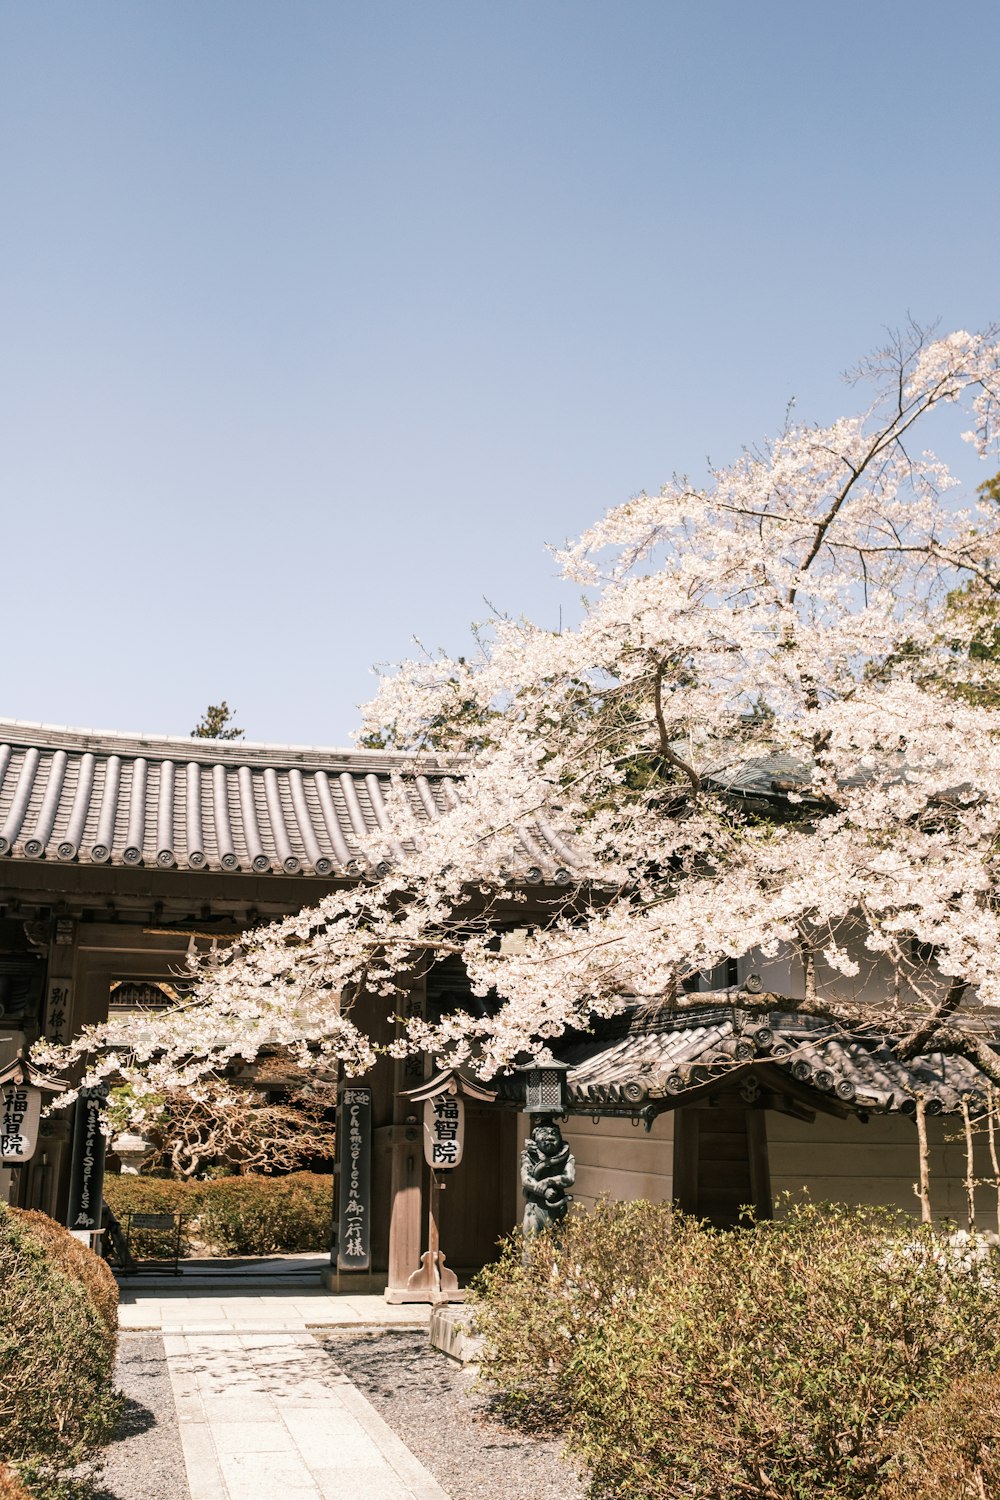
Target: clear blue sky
x,y
318,320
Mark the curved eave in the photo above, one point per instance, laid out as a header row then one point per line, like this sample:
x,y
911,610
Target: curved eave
x,y
661,1068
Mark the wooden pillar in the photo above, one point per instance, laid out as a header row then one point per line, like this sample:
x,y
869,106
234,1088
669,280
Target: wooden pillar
x,y
406,1211
406,1191
48,1183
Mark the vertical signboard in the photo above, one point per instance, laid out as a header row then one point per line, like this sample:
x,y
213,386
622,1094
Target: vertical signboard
x,y
444,1131
86,1179
57,1010
355,1149
20,1107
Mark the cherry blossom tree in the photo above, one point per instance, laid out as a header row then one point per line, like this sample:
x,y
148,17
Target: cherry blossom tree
x,y
789,624
242,1126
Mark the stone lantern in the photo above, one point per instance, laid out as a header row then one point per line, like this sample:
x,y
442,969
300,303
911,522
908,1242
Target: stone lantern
x,y
131,1149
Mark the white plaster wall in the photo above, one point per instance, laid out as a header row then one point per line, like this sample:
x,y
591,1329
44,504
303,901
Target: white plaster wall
x,y
844,1161
873,984
615,1157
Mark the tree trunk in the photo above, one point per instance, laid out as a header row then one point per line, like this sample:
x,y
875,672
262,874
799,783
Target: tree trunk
x,y
970,1166
991,1129
923,1189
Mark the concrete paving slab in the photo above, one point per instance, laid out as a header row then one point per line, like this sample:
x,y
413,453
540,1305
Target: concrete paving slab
x,y
340,1439
360,1482
204,1476
252,1437
268,1413
262,1476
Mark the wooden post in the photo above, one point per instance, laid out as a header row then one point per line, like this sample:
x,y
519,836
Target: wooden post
x,y
923,1190
434,1225
404,1212
433,1281
49,1181
407,1170
970,1166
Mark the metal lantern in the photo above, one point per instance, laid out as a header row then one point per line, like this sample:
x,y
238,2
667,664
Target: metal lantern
x,y
545,1088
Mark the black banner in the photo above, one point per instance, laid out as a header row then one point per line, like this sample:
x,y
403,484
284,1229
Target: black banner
x,y
86,1178
354,1147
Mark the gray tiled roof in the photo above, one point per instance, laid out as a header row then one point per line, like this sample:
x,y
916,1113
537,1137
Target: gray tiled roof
x,y
666,1061
130,799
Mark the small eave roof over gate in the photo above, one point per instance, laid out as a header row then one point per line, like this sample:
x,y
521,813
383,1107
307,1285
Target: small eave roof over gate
x,y
132,799
658,1063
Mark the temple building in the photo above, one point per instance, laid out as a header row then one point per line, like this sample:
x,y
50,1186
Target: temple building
x,y
118,852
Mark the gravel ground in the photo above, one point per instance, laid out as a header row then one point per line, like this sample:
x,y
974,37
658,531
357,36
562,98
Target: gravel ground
x,y
429,1401
144,1462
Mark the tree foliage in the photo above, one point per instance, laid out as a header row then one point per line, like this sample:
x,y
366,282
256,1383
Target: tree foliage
x,y
772,731
216,723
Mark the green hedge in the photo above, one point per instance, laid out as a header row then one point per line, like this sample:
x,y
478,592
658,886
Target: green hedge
x,y
780,1361
230,1215
58,1404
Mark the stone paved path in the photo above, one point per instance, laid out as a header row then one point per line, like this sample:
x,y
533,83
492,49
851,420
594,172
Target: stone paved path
x,y
264,1413
268,1310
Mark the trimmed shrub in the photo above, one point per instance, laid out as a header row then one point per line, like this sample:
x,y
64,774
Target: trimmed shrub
x,y
948,1448
230,1215
58,1404
128,1193
11,1487
76,1260
773,1363
546,1295
266,1215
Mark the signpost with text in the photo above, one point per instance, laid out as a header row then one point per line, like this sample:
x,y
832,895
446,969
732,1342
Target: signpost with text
x,y
354,1135
86,1180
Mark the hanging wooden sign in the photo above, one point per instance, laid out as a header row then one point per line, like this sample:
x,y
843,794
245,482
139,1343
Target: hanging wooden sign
x,y
20,1109
21,1090
354,1139
444,1131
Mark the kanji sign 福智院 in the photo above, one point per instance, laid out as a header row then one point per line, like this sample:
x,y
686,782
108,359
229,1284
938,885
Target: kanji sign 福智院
x,y
20,1108
444,1131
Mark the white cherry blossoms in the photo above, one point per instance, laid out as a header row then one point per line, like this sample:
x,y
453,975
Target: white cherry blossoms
x,y
773,732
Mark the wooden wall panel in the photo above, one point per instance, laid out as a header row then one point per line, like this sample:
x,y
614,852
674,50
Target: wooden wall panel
x,y
614,1157
848,1162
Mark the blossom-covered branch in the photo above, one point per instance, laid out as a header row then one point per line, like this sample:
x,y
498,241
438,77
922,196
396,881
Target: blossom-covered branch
x,y
772,733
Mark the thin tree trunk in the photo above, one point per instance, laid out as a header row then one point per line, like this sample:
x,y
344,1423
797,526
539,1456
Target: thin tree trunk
x,y
923,1190
970,1166
991,1129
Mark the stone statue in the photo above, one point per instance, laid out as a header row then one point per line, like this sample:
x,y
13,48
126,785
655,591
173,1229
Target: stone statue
x,y
547,1170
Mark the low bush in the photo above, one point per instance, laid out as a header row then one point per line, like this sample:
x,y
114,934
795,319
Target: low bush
x,y
129,1193
11,1487
546,1295
266,1215
76,1260
948,1448
229,1215
773,1363
58,1404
